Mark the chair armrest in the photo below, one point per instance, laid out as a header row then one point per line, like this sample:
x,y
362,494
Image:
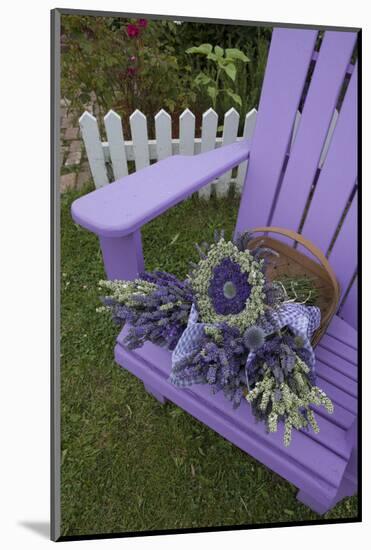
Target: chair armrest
x,y
122,207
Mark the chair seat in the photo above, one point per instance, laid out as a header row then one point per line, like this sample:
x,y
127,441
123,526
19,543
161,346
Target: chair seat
x,y
313,462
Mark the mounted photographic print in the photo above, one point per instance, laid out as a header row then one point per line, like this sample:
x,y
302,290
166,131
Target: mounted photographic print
x,y
205,202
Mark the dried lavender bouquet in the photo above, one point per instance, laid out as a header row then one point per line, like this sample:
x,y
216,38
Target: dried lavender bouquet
x,y
156,306
230,328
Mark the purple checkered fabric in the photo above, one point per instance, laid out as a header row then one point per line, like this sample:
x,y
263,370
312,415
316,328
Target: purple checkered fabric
x,y
186,345
302,320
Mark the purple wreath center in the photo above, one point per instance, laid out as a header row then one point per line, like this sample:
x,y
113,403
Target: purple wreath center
x,y
229,288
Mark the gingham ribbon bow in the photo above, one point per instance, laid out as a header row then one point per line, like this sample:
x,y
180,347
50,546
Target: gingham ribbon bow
x,y
302,320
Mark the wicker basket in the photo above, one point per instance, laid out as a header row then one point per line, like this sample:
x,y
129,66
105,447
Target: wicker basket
x,y
292,263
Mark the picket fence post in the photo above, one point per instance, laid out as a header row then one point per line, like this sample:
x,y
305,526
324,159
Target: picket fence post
x,y
94,150
208,138
115,137
163,134
139,135
187,125
119,151
248,132
230,129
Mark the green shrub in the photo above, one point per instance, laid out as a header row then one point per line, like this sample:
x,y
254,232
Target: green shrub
x,y
252,41
129,64
124,66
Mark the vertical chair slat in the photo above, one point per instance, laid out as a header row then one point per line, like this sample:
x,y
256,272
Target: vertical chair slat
x,y
330,132
338,174
343,256
349,310
328,77
295,128
288,61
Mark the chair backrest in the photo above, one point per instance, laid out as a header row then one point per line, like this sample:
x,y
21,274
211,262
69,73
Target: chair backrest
x,y
285,185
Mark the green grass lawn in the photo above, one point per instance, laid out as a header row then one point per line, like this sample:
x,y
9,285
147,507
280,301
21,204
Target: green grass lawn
x,y
128,462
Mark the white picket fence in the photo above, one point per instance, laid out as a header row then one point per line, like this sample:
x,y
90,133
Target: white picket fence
x,y
117,151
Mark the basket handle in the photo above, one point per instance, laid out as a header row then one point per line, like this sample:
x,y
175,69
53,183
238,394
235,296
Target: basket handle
x,y
312,248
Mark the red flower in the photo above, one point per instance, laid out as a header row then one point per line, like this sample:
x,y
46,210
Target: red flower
x,y
132,30
131,71
142,23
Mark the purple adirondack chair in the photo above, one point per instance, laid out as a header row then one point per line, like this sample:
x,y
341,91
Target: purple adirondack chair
x,y
278,183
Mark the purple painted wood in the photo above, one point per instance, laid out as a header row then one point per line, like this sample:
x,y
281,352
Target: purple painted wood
x,y
342,417
342,365
349,68
340,349
322,466
338,175
309,499
315,463
348,310
124,206
289,57
326,82
155,393
122,256
331,374
343,256
351,471
338,396
152,362
343,332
